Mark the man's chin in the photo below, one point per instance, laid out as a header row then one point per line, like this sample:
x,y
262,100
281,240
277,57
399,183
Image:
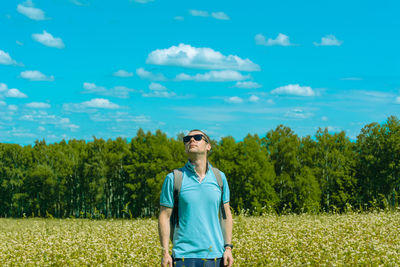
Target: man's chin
x,y
194,150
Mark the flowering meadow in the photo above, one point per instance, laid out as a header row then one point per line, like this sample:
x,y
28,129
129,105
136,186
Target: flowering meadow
x,y
366,239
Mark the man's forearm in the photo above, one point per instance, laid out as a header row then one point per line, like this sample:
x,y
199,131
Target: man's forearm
x,y
164,230
227,225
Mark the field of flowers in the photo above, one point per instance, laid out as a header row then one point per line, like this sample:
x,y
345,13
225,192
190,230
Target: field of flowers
x,y
370,239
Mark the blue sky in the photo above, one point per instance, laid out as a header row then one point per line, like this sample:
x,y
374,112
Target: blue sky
x,y
84,68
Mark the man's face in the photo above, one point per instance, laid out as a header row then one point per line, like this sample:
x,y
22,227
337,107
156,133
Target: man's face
x,y
197,147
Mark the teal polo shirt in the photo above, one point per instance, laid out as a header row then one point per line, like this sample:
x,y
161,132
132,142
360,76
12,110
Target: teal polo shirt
x,y
199,234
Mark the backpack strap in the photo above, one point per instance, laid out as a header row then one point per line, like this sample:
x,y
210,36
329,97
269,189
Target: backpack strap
x,y
217,174
178,175
174,220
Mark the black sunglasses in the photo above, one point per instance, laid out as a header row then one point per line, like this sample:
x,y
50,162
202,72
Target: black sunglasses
x,y
196,137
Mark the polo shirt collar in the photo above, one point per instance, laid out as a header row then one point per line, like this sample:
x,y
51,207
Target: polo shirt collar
x,y
189,166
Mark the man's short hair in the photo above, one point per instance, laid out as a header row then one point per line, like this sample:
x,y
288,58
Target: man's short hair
x,y
205,135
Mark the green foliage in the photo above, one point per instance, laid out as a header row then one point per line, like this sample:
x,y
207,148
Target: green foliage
x,y
333,162
279,172
249,173
378,163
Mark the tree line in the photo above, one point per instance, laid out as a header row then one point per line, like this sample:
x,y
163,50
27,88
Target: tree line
x,y
280,172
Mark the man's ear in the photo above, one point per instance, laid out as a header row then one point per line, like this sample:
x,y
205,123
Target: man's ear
x,y
208,147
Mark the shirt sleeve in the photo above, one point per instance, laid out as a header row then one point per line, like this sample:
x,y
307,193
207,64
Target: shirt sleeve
x,y
167,192
226,196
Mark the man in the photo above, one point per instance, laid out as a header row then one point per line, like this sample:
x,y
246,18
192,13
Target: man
x,y
201,239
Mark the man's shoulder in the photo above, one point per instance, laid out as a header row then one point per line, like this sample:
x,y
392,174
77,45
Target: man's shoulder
x,y
171,176
216,171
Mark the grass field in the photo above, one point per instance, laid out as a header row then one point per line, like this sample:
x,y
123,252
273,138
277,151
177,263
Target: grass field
x,y
369,239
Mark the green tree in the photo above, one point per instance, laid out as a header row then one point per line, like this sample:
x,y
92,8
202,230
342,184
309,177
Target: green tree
x,y
378,162
41,184
115,158
14,163
282,145
249,172
335,168
152,158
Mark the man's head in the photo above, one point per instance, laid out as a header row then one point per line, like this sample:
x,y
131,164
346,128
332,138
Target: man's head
x,y
197,142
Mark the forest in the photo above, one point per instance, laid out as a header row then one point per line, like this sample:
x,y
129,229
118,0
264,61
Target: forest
x,y
278,173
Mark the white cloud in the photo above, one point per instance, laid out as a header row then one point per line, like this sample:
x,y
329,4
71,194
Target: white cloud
x,y
201,58
281,40
6,59
298,114
254,98
65,120
34,75
99,103
27,118
179,18
92,88
234,100
377,94
12,107
352,79
38,105
123,73
48,40
3,87
161,94
2,103
157,87
15,93
119,117
158,90
80,2
398,100
21,133
31,12
66,123
334,129
88,106
294,89
329,40
220,15
143,1
213,76
127,117
324,118
43,118
247,85
19,42
116,91
41,128
215,15
120,91
144,74
199,13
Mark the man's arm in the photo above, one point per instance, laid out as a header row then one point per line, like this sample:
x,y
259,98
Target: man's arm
x,y
164,232
227,233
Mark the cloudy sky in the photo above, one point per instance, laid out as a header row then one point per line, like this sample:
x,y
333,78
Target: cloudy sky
x,y
84,68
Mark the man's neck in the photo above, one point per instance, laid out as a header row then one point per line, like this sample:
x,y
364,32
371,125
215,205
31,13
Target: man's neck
x,y
200,166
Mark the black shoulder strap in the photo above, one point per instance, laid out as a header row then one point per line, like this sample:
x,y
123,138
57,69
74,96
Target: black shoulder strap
x,y
217,174
178,175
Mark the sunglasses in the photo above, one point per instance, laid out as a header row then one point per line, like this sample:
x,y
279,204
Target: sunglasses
x,y
196,137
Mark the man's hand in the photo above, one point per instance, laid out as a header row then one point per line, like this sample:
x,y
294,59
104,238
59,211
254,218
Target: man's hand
x,y
166,260
228,258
